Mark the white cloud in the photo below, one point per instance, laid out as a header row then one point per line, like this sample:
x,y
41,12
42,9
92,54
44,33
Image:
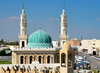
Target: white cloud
x,y
10,18
14,18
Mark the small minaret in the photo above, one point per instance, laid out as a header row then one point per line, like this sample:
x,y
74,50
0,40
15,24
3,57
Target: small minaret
x,y
63,32
67,58
23,36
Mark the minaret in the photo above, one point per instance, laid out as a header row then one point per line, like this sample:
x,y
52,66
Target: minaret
x,y
23,36
63,32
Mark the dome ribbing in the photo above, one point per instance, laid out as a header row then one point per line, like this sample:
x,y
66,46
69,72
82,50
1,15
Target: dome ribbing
x,y
39,39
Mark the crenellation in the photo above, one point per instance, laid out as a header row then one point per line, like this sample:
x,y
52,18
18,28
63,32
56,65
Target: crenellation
x,y
19,70
34,69
2,70
27,71
28,68
8,69
13,70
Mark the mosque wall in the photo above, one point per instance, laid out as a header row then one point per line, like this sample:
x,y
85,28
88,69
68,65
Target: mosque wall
x,y
24,57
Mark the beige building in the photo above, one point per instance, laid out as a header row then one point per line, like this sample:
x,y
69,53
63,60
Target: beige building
x,y
87,46
74,42
96,45
66,64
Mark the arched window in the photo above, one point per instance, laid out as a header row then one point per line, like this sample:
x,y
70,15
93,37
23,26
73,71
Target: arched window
x,y
48,59
70,60
21,59
57,58
39,59
63,59
31,59
23,44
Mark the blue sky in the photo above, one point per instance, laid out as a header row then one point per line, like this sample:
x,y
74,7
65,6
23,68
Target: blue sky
x,y
83,18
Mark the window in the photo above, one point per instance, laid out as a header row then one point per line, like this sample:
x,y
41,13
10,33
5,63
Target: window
x,y
21,60
70,60
31,59
23,44
63,60
57,58
39,59
48,59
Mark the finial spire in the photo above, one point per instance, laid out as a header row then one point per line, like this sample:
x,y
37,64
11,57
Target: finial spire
x,y
23,11
23,5
64,9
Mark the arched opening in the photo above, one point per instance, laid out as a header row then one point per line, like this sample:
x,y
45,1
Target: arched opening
x,y
23,44
26,59
57,58
39,59
21,60
63,60
48,59
31,59
70,60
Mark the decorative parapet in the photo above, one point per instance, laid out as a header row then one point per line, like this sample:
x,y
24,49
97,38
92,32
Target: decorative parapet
x,y
32,49
28,69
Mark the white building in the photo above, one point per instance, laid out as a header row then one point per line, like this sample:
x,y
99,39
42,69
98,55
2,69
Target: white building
x,y
87,46
96,45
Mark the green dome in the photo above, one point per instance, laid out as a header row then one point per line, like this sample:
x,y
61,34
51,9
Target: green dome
x,y
39,39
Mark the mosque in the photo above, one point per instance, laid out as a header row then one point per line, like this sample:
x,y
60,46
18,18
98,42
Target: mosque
x,y
38,54
38,46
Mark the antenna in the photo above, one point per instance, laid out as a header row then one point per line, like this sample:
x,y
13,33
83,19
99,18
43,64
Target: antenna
x,y
81,37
